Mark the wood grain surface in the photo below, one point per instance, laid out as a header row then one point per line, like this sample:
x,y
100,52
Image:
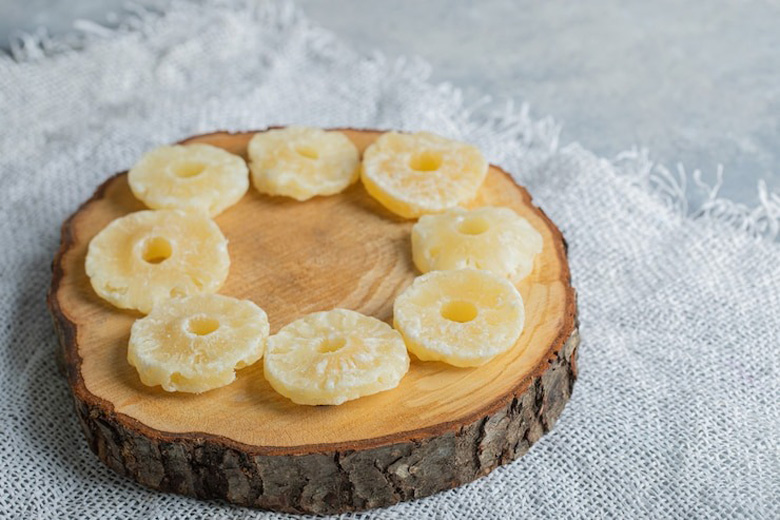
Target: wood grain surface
x,y
293,258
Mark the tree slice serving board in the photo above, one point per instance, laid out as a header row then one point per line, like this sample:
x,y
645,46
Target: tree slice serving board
x,y
442,427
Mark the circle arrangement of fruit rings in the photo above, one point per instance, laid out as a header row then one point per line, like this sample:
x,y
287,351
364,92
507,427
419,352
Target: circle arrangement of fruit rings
x,y
457,313
339,353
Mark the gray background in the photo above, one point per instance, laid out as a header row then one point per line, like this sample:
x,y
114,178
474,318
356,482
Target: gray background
x,y
696,82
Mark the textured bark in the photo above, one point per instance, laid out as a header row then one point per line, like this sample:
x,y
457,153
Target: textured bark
x,y
340,480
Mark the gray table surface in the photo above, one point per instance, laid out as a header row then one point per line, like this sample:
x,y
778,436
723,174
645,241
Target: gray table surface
x,y
697,83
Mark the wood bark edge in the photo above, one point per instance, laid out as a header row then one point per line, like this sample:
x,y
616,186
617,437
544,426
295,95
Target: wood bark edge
x,y
325,478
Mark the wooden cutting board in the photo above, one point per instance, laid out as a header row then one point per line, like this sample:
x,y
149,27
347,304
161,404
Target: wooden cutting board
x,y
442,427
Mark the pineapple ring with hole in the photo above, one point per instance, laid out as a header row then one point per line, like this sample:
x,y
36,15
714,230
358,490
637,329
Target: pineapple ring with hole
x,y
195,177
414,174
334,356
463,317
302,162
196,343
146,257
495,239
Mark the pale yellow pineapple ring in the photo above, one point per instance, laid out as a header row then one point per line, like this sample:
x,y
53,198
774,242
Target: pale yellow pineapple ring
x,y
414,174
334,356
492,238
146,257
195,177
463,317
196,343
302,162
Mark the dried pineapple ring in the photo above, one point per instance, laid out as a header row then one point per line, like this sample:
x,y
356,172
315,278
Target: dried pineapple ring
x,y
146,257
492,238
414,174
334,356
302,162
464,317
196,343
196,177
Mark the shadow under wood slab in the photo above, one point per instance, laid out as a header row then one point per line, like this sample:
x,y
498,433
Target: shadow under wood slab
x,y
442,427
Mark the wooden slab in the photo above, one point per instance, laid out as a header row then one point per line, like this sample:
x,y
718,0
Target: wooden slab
x,y
443,426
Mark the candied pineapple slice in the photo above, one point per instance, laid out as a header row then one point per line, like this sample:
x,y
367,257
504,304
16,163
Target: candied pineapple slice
x,y
464,317
302,162
193,177
334,356
149,256
196,343
414,174
492,238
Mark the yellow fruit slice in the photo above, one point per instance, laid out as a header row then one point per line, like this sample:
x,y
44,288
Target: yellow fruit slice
x,y
334,356
149,256
492,238
196,343
194,177
302,162
414,174
464,317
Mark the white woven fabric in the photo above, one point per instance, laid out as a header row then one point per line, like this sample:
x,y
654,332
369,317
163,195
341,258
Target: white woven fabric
x,y
675,414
